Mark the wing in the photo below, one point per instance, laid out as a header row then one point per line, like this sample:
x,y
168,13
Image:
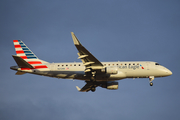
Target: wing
x,y
89,86
89,61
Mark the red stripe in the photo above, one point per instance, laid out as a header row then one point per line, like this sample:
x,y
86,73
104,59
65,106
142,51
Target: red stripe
x,y
42,66
19,52
142,67
15,41
35,67
35,62
25,69
17,46
23,57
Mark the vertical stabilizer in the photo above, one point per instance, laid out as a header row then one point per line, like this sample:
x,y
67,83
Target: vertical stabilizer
x,y
23,51
25,58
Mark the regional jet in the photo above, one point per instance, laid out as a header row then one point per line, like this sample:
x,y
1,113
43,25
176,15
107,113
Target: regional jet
x,y
90,70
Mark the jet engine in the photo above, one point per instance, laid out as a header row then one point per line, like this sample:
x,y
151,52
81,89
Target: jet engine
x,y
110,85
110,70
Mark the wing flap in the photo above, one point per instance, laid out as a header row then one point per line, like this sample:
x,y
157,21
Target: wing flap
x,y
82,56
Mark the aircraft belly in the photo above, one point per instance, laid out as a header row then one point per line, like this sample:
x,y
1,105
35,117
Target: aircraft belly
x,y
137,73
66,74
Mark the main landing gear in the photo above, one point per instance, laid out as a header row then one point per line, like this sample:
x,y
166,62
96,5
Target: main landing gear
x,y
151,78
93,89
93,80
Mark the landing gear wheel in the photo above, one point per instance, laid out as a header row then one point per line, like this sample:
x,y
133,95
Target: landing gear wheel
x,y
151,84
93,89
93,79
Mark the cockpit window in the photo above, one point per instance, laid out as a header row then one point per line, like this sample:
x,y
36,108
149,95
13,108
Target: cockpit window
x,y
157,64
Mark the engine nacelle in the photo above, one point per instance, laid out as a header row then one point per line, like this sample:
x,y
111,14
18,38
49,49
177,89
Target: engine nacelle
x,y
110,70
110,85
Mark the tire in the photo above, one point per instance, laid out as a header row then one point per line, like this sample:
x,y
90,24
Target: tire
x,y
93,89
151,84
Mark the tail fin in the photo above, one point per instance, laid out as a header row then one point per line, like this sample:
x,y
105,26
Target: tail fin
x,y
25,58
23,51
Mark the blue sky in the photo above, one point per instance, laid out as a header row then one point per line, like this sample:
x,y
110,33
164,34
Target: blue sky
x,y
141,30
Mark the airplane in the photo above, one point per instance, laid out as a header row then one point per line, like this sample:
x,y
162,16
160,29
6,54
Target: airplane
x,y
90,70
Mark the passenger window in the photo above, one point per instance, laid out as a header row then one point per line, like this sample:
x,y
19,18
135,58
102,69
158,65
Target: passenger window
x,y
74,64
66,65
70,65
62,65
129,64
104,64
124,64
116,64
138,64
109,64
79,64
133,63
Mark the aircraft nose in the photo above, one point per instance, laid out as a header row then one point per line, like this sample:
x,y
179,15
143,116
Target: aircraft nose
x,y
168,72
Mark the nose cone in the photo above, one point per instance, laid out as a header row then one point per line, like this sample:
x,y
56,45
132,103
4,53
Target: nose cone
x,y
164,71
168,72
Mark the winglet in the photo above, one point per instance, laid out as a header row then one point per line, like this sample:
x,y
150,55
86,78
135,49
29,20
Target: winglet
x,y
78,88
76,41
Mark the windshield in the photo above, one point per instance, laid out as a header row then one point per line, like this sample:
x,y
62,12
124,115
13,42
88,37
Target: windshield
x,y
157,64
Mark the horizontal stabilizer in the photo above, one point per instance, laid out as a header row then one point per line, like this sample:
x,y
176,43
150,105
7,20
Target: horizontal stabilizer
x,y
21,62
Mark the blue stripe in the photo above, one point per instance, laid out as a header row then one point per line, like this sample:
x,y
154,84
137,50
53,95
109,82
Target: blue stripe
x,y
25,48
32,57
27,52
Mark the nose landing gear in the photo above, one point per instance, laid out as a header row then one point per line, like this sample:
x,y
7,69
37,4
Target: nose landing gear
x,y
151,78
151,83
